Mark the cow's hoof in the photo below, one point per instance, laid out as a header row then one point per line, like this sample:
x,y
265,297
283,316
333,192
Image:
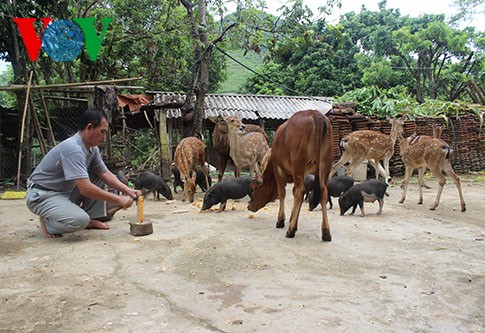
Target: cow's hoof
x,y
280,224
290,234
326,236
463,208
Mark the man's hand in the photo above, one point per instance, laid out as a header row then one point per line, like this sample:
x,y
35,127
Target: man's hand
x,y
125,201
134,194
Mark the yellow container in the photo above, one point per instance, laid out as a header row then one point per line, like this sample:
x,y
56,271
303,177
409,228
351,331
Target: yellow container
x,y
141,209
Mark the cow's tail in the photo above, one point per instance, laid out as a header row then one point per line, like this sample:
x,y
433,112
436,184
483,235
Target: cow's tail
x,y
321,129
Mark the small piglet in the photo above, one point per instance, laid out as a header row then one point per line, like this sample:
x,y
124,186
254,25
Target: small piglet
x,y
234,188
335,187
150,182
368,191
338,185
177,181
199,179
122,177
308,183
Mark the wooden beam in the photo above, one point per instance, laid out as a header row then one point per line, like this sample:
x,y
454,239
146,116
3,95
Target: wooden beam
x,y
38,129
67,98
64,85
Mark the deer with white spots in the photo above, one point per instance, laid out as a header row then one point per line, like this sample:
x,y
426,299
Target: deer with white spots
x,y
415,138
189,153
432,153
371,145
245,150
220,140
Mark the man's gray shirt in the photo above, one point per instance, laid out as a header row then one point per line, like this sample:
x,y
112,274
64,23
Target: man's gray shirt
x,y
66,162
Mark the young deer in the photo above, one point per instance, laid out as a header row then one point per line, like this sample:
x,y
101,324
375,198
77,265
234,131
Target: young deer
x,y
434,154
247,149
437,131
371,145
220,140
415,138
189,152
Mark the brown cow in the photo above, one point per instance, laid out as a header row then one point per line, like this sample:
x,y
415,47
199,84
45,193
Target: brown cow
x,y
189,152
302,145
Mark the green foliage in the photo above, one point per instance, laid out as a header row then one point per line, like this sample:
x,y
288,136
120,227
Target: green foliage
x,y
374,101
142,144
374,48
7,99
236,74
468,9
265,83
320,63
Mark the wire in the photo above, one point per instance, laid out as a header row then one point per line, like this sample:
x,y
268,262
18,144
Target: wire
x,y
258,74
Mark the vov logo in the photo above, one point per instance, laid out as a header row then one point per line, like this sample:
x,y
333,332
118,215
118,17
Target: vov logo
x,y
62,40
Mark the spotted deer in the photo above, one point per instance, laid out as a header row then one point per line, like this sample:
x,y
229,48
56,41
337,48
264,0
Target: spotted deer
x,y
371,145
415,138
247,149
265,160
432,153
437,131
189,153
220,140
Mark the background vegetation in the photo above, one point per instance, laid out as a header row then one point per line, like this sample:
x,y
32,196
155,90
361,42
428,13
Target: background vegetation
x,y
237,75
380,53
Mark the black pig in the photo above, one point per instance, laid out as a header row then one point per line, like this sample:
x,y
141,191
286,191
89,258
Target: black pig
x,y
338,185
199,179
335,187
150,182
234,188
308,183
122,177
368,191
177,181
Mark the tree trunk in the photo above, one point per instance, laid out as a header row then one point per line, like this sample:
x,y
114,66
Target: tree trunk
x,y
199,84
203,74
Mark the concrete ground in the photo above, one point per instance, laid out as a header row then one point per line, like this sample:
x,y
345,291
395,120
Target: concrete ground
x,y
407,270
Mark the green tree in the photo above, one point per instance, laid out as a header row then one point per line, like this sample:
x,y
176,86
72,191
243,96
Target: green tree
x,y
317,62
438,59
468,9
7,100
432,52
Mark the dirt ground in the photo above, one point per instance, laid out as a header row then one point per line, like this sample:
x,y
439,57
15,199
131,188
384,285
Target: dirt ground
x,y
407,270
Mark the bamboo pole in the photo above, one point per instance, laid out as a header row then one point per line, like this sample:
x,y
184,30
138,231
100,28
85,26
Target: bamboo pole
x,y
38,128
63,85
22,130
51,139
164,147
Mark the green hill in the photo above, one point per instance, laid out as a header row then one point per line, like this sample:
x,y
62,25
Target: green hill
x,y
237,74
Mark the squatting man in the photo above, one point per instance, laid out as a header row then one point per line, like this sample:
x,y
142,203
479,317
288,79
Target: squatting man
x,y
66,189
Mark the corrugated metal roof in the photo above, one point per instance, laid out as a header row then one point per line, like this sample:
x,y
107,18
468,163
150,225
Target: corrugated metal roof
x,y
250,106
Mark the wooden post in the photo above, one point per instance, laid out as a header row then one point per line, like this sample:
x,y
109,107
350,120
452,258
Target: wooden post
x,y
50,138
38,128
22,127
165,157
